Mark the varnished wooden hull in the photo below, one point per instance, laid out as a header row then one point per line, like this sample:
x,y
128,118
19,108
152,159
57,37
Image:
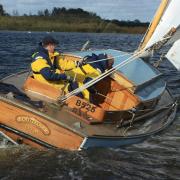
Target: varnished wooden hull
x,y
116,142
130,110
28,127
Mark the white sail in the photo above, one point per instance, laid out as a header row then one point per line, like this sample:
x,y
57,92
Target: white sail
x,y
174,54
166,18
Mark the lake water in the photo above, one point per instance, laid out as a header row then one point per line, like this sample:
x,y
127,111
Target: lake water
x,y
156,158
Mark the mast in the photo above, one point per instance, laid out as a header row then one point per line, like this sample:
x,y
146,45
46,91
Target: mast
x,y
154,23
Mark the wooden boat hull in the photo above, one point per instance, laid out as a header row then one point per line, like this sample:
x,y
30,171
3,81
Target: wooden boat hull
x,y
29,126
147,109
116,142
88,142
40,132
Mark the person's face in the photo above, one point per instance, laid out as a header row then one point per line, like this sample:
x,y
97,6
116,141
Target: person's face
x,y
51,48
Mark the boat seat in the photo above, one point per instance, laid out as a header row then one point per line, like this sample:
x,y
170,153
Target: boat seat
x,y
114,97
38,90
80,107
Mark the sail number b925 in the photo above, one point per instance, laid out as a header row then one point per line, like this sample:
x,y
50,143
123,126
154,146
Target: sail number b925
x,y
85,105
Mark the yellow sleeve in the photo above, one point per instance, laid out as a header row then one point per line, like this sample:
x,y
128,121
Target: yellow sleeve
x,y
65,64
39,64
88,71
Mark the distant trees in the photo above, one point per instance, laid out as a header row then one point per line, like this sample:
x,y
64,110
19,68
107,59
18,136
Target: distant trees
x,y
62,19
57,12
134,23
75,12
46,12
80,13
2,11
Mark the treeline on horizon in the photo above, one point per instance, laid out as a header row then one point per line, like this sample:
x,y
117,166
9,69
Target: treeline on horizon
x,y
67,20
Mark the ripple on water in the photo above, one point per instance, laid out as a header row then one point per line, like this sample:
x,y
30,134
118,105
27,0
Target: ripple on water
x,y
156,158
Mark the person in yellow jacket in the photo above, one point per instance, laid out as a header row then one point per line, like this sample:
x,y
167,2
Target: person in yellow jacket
x,y
91,67
48,64
45,65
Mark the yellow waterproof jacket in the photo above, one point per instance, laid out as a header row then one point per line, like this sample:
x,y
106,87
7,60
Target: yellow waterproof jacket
x,y
49,67
97,64
80,74
61,68
65,64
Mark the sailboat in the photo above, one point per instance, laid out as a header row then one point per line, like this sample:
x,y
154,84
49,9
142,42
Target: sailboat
x,y
133,104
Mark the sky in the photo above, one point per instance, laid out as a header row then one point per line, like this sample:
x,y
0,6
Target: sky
x,y
109,9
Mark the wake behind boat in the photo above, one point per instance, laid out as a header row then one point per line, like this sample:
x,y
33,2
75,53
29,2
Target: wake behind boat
x,y
132,103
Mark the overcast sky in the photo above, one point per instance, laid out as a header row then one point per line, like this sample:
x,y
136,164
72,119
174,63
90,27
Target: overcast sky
x,y
109,9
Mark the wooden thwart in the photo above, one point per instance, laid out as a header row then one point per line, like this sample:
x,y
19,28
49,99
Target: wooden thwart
x,y
41,91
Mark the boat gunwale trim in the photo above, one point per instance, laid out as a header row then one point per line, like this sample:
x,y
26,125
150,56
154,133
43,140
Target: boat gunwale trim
x,y
29,137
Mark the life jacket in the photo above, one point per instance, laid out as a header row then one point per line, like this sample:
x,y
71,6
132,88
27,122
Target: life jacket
x,y
42,59
89,71
43,54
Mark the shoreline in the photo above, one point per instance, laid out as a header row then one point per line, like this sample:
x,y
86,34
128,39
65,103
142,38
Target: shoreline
x,y
51,24
48,32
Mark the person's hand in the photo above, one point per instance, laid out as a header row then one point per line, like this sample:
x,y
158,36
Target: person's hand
x,y
82,62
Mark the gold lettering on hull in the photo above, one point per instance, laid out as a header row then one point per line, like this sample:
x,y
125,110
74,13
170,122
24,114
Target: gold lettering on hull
x,y
33,121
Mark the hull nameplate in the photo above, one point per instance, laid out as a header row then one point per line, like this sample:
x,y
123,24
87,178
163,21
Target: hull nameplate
x,y
33,121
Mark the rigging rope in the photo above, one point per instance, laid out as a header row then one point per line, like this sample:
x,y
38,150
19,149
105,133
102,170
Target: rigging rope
x,y
112,70
103,75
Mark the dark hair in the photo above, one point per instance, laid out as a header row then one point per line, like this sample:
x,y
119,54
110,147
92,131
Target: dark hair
x,y
49,40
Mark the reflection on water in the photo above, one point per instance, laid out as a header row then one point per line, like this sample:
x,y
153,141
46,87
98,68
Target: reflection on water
x,y
156,158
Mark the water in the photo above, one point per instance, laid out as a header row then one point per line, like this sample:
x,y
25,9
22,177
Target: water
x,y
156,158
